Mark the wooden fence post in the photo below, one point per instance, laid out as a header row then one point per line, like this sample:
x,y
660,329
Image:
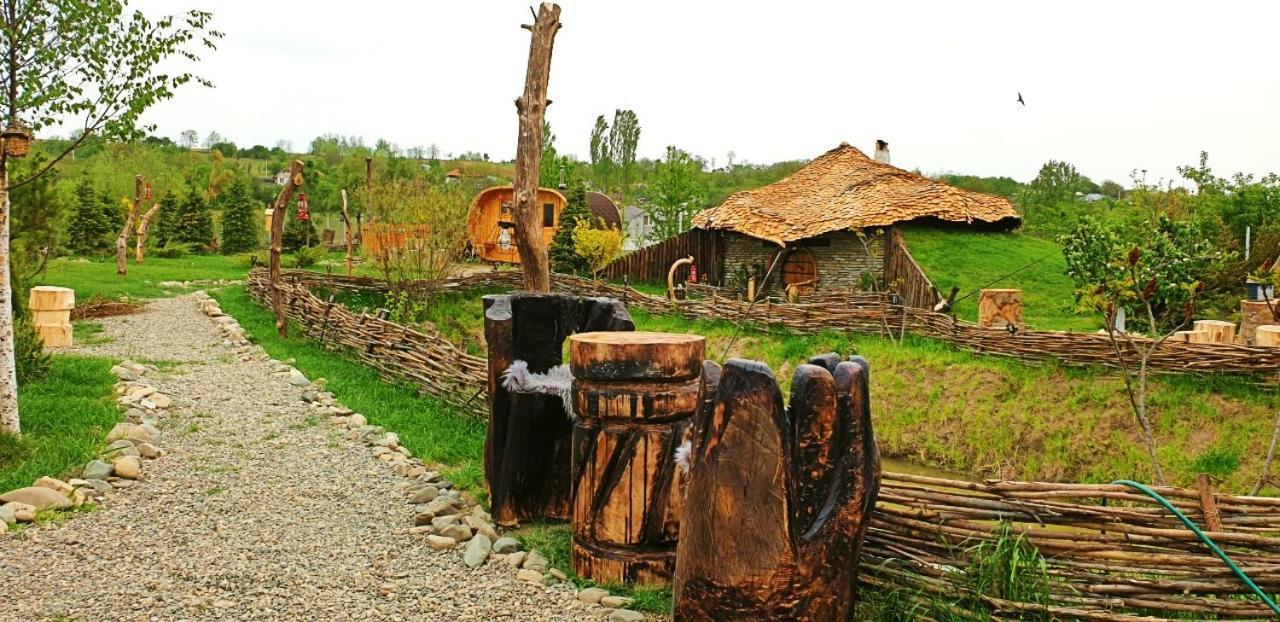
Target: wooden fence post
x,y
531,108
122,242
140,249
277,242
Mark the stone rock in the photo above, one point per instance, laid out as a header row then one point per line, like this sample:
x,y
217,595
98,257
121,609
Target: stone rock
x,y
515,559
613,602
378,452
440,522
140,434
441,543
148,451
297,379
442,506
625,615
120,431
506,545
160,400
21,512
96,470
392,440
357,420
477,551
128,375
134,414
7,516
38,497
458,532
592,595
422,519
532,576
310,395
54,484
150,429
557,573
122,447
128,467
480,526
100,486
536,561
425,495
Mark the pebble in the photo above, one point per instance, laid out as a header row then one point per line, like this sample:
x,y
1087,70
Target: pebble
x,y
441,542
532,576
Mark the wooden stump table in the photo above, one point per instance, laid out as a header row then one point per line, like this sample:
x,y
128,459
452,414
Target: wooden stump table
x,y
1267,335
1217,331
778,501
527,450
635,395
51,308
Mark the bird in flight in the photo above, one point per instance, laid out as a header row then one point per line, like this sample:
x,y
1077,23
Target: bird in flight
x,y
1020,101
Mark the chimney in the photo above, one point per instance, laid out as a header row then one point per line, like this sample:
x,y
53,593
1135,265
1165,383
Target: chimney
x,y
882,151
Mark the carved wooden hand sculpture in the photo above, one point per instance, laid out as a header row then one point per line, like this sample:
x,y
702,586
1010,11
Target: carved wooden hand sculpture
x,y
778,501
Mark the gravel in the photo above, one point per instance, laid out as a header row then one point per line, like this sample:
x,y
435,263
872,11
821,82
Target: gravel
x,y
257,511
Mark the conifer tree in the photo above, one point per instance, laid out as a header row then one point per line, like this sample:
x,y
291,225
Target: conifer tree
x,y
239,219
166,220
90,226
564,259
195,222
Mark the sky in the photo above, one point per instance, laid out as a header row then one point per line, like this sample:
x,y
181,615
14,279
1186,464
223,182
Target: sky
x,y
1109,86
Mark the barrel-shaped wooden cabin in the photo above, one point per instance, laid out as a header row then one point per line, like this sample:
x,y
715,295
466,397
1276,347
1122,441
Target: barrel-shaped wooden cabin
x,y
491,224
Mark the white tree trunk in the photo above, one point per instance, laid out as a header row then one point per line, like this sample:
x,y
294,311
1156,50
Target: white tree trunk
x,y
8,371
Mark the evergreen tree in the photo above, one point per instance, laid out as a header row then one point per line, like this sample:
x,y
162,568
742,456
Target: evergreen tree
x,y
166,223
296,232
90,225
564,259
239,219
195,222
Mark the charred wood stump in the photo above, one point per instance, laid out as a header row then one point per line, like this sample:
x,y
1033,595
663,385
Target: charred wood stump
x,y
778,500
528,444
634,396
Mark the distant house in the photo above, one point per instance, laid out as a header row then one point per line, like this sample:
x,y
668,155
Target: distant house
x,y
281,178
809,223
1092,197
453,175
637,225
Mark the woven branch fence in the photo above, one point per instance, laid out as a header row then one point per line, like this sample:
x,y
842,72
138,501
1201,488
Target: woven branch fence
x,y
1109,554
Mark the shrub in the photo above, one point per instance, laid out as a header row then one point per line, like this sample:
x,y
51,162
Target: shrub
x,y
307,256
297,234
30,359
564,256
239,219
597,247
172,250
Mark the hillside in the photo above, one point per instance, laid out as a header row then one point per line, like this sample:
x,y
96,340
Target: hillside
x,y
972,260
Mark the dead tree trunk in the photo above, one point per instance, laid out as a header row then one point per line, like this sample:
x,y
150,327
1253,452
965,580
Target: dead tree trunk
x,y
634,394
141,246
532,109
122,242
527,450
346,220
277,243
778,501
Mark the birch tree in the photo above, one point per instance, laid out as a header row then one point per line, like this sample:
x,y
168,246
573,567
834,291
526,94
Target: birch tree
x,y
92,66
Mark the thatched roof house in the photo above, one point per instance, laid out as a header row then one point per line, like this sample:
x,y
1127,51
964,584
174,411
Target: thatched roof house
x,y
814,215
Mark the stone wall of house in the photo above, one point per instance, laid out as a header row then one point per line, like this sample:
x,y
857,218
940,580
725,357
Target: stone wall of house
x,y
840,257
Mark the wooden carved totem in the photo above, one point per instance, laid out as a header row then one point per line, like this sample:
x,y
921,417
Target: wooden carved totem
x,y
778,500
635,395
528,443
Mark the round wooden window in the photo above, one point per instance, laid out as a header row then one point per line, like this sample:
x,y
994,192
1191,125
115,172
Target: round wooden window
x,y
800,270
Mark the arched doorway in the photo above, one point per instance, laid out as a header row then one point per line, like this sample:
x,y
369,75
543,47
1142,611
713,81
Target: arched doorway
x,y
801,270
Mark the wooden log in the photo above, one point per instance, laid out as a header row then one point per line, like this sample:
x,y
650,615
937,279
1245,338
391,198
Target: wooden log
x,y
122,241
1267,336
528,445
1255,313
1219,331
278,212
634,394
346,221
51,314
999,308
778,501
532,108
143,225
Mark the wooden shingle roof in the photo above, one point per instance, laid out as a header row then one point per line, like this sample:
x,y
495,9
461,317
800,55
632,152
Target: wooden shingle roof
x,y
844,189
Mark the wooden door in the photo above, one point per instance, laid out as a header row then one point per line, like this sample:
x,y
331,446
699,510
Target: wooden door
x,y
800,270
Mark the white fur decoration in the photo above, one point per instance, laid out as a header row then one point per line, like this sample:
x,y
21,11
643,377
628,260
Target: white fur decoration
x,y
557,381
683,453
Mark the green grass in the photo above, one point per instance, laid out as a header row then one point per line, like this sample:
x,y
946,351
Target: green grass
x,y
88,334
431,429
972,260
65,419
98,276
554,541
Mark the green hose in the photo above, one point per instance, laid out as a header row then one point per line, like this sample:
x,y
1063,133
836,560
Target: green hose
x,y
1203,538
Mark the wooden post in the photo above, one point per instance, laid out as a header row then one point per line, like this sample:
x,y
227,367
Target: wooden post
x,y
634,395
532,107
1208,505
140,249
1254,313
122,242
1218,331
527,451
999,308
277,243
778,501
51,308
346,220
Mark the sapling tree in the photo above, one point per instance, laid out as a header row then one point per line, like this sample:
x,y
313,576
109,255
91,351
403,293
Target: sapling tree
x,y
92,65
1152,271
597,245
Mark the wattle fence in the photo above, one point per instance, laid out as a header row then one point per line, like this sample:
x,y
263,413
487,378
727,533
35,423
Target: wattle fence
x,y
1108,553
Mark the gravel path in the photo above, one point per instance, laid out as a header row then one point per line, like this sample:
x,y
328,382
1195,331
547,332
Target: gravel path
x,y
260,511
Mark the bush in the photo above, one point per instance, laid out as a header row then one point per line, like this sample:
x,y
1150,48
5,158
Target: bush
x,y
597,247
240,222
30,359
307,256
564,257
172,250
297,234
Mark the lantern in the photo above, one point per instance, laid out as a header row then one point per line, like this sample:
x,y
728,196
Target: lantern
x,y
146,192
693,273
303,214
17,140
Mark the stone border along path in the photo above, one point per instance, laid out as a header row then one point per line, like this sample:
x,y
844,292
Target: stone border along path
x,y
260,510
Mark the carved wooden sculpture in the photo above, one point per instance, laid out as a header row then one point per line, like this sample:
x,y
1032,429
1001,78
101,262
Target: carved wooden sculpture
x,y
527,447
778,500
634,396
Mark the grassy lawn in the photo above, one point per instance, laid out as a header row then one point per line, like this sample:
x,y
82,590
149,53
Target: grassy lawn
x,y
97,277
972,260
65,419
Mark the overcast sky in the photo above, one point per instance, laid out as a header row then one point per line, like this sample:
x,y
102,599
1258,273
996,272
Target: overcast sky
x,y
1110,86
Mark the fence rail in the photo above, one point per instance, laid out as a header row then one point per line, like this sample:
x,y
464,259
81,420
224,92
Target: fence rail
x,y
1109,554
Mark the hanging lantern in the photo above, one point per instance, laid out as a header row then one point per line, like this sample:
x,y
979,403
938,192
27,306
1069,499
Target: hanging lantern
x,y
303,214
17,140
693,273
146,192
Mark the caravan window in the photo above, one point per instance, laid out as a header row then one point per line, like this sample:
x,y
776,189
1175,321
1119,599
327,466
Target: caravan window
x,y
548,215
